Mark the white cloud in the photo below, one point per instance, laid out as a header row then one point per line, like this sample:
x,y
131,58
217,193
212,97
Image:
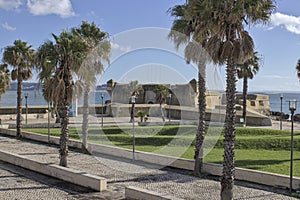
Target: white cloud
x,y
118,47
290,23
63,8
8,27
10,4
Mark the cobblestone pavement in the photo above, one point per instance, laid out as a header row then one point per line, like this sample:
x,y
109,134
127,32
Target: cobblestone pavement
x,y
121,173
18,183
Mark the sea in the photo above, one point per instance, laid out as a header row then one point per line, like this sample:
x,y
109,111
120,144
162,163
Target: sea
x,y
274,99
35,98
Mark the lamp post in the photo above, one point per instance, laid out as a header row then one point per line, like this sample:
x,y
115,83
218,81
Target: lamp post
x,y
49,122
170,97
133,97
281,97
102,97
26,106
292,107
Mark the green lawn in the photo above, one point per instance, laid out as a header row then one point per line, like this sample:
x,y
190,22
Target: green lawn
x,y
259,149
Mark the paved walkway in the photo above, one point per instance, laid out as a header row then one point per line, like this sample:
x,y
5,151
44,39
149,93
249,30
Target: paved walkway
x,y
121,173
19,184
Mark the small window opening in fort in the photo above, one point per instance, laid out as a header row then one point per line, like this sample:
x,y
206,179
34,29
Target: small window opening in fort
x,y
261,103
252,103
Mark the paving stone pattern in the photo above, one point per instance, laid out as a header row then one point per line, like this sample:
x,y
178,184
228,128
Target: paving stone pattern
x,y
121,173
15,186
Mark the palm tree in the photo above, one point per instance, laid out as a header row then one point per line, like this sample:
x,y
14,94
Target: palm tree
x,y
298,69
21,58
246,71
98,51
161,92
135,90
188,30
134,86
229,43
57,61
4,78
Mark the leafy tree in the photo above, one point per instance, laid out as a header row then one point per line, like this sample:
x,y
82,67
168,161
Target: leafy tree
x,y
22,58
58,59
246,71
97,52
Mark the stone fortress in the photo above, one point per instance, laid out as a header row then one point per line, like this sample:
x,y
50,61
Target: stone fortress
x,y
182,103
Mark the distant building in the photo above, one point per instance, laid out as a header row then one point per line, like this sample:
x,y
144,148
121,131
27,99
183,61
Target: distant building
x,y
257,102
185,97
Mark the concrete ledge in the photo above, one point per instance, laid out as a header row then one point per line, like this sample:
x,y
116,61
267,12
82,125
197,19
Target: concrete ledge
x,y
135,193
70,175
271,179
266,178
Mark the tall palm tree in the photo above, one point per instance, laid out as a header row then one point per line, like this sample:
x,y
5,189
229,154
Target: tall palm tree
x,y
4,78
229,43
246,71
22,58
98,51
57,61
188,30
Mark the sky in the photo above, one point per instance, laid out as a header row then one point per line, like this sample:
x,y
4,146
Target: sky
x,y
139,49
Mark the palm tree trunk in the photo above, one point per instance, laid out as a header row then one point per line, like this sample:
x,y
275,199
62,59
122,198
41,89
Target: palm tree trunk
x,y
85,119
64,118
201,121
19,105
64,136
245,88
228,163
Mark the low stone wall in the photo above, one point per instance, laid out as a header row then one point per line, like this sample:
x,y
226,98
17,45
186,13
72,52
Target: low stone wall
x,y
135,193
67,174
254,176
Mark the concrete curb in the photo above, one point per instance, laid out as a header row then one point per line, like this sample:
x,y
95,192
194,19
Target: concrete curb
x,y
67,174
265,178
135,193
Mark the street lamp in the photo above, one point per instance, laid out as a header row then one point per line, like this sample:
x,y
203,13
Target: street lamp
x,y
26,105
170,97
48,122
133,97
281,97
102,96
292,107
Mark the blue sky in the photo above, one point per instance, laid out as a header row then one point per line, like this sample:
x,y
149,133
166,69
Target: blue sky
x,y
34,21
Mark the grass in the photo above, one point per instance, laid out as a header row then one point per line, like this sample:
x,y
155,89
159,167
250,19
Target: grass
x,y
259,149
